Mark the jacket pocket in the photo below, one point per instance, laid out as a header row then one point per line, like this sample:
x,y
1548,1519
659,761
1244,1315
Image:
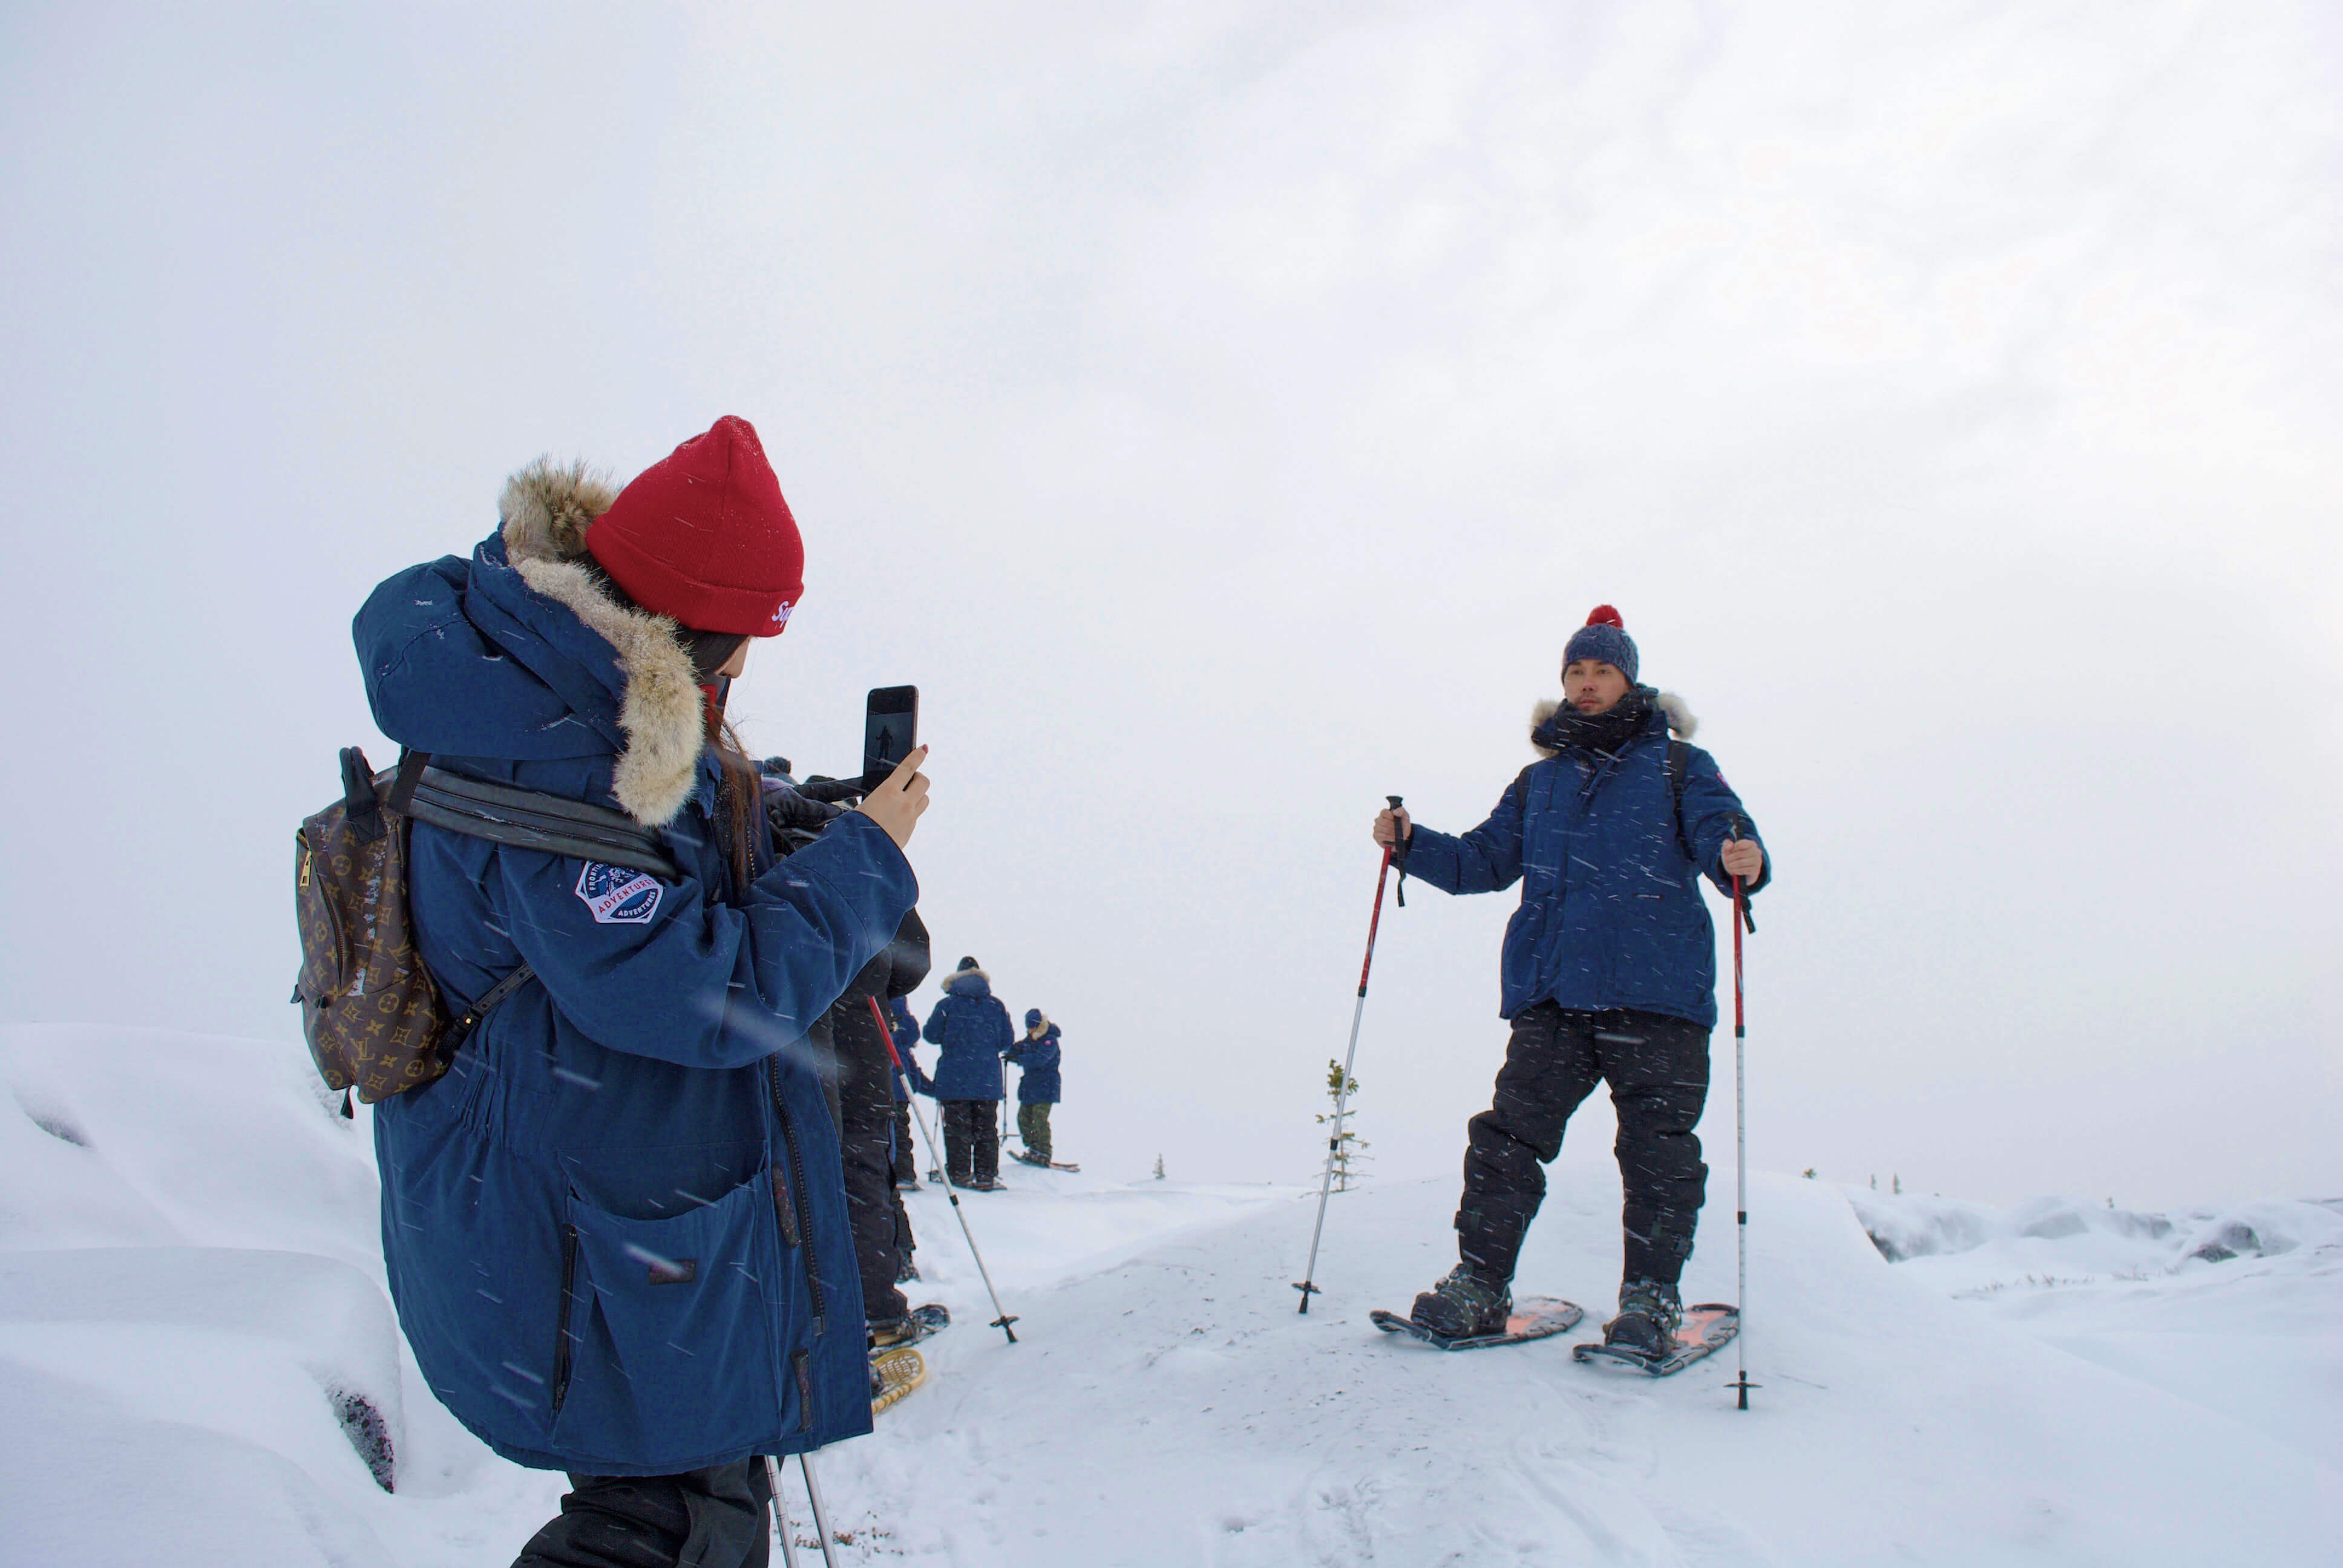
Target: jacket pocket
x,y
670,1344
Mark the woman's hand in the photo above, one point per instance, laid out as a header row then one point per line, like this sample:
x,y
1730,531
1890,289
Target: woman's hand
x,y
896,804
1743,858
1394,828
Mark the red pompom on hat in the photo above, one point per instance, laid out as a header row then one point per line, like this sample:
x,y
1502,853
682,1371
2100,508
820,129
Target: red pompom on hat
x,y
704,536
1603,615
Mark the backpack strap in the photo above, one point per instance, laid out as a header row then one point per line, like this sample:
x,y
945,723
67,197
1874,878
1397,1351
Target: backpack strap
x,y
1679,767
361,801
532,820
412,765
460,1029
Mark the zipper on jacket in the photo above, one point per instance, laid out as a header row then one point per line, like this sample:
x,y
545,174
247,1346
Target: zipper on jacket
x,y
784,1208
801,1362
797,1180
562,1336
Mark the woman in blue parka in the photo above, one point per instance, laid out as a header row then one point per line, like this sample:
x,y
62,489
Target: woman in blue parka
x,y
1610,976
973,1028
615,1230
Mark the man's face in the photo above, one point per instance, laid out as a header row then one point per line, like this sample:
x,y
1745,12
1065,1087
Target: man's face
x,y
1592,686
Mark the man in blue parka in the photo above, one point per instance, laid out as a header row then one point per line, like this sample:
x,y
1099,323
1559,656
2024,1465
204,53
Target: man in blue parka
x,y
615,1230
1036,1054
973,1028
1610,976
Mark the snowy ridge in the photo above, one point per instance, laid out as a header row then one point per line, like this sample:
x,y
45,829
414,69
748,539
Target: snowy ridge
x,y
1909,1226
191,1298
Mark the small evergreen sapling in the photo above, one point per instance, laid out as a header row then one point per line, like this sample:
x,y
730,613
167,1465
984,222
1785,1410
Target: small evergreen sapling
x,y
1347,1143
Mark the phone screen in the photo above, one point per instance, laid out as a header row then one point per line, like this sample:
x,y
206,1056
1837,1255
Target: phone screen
x,y
891,729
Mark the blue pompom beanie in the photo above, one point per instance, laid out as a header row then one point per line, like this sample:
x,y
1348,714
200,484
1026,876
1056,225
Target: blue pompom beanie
x,y
1032,1018
1603,637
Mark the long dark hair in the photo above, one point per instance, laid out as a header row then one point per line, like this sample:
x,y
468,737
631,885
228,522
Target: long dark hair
x,y
741,795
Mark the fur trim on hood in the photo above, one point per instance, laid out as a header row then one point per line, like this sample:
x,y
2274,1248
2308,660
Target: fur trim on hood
x,y
1680,719
546,510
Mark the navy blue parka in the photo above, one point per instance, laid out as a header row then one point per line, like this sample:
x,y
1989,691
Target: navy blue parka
x,y
1611,914
1037,1058
973,1028
616,1229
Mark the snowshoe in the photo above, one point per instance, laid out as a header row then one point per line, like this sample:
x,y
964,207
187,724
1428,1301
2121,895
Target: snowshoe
x,y
984,1185
1025,1158
1702,1330
894,1373
1530,1318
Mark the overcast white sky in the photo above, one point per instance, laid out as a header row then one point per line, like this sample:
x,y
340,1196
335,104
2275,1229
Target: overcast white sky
x,y
1223,414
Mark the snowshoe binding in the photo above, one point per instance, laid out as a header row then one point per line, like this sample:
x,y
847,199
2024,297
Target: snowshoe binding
x,y
1486,1314
894,1373
1649,1315
1462,1307
1655,1334
919,1324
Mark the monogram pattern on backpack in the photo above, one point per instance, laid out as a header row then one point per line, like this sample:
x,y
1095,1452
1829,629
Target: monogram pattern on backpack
x,y
369,1010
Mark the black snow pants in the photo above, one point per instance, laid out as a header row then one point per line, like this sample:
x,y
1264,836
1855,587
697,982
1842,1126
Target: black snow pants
x,y
907,1153
866,1142
971,1140
713,1518
865,1105
1657,1068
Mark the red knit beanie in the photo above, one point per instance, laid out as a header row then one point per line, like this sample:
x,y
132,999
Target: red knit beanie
x,y
704,536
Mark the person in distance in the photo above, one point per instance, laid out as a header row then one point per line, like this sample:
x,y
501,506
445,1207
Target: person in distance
x,y
615,1230
973,1028
1610,976
1036,1054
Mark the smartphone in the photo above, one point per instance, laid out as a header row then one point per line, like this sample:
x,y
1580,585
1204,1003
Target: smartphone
x,y
890,731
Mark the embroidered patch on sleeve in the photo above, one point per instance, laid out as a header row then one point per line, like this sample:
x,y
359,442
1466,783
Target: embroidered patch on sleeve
x,y
617,895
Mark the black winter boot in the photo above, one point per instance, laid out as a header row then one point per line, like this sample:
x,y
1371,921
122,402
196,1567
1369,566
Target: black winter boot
x,y
1649,1315
1462,1306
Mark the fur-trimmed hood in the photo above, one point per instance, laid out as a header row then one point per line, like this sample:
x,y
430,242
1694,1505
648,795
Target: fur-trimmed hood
x,y
1678,712
522,653
543,514
983,986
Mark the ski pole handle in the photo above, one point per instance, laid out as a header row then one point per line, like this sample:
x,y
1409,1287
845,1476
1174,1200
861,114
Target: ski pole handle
x,y
1397,853
1742,916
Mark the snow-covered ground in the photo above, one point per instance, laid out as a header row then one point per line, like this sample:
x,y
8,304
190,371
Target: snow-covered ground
x,y
196,1354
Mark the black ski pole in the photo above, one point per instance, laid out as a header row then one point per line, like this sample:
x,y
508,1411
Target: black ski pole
x,y
1307,1285
1004,1319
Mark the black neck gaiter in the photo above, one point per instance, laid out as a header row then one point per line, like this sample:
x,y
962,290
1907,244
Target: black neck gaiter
x,y
1570,729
